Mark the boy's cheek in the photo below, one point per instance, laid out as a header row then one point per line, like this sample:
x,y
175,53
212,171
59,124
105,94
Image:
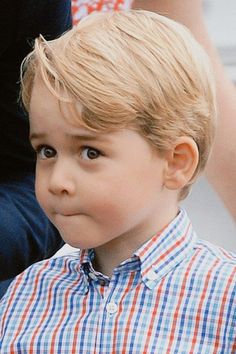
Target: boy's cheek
x,y
41,194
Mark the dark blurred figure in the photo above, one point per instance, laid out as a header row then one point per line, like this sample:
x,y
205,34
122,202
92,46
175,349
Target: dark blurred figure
x,y
26,235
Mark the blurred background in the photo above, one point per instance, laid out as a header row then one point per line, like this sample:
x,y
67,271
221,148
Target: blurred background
x,y
210,218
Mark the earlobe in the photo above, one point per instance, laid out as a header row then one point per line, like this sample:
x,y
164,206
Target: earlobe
x,y
182,161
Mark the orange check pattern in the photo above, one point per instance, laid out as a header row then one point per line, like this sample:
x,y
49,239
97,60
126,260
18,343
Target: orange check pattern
x,y
81,8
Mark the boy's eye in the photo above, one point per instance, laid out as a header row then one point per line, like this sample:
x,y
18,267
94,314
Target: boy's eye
x,y
89,153
45,152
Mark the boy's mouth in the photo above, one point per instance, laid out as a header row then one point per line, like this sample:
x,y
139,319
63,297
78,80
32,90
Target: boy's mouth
x,y
67,213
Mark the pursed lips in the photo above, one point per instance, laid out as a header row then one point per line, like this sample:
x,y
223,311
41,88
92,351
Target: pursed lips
x,y
67,213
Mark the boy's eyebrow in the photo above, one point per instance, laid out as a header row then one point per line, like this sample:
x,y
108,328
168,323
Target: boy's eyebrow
x,y
75,137
86,137
34,136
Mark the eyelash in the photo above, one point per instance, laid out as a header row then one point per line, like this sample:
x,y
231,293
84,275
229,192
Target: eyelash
x,y
99,153
39,151
40,148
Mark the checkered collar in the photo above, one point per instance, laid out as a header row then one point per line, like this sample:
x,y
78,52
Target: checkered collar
x,y
156,257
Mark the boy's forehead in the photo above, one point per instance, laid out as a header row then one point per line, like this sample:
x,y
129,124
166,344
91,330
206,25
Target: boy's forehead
x,y
45,104
44,99
48,116
52,120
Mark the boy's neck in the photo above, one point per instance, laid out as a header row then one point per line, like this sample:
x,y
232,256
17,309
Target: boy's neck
x,y
113,253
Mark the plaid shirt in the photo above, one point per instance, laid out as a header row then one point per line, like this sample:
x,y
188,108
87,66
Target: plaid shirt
x,y
176,294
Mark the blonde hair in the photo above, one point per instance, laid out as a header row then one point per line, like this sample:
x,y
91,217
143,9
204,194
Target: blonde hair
x,y
136,69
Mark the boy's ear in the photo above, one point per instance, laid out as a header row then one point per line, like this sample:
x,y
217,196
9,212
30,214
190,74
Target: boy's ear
x,y
182,161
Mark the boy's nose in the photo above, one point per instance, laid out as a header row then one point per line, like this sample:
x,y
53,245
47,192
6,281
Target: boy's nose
x,y
61,180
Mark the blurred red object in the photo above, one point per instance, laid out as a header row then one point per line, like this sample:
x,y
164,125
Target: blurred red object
x,y
81,8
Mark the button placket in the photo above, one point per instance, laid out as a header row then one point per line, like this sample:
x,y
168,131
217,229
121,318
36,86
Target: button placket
x,y
111,305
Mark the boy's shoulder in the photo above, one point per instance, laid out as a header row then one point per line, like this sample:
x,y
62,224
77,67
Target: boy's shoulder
x,y
217,252
63,270
214,261
62,266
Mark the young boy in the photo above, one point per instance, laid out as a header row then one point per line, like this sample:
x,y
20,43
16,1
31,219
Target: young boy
x,y
122,115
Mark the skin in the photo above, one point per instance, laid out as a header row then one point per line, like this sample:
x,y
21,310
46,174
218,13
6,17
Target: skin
x,y
221,169
111,192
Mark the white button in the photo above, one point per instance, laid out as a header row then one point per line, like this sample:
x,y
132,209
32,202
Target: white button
x,y
111,307
151,275
93,276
